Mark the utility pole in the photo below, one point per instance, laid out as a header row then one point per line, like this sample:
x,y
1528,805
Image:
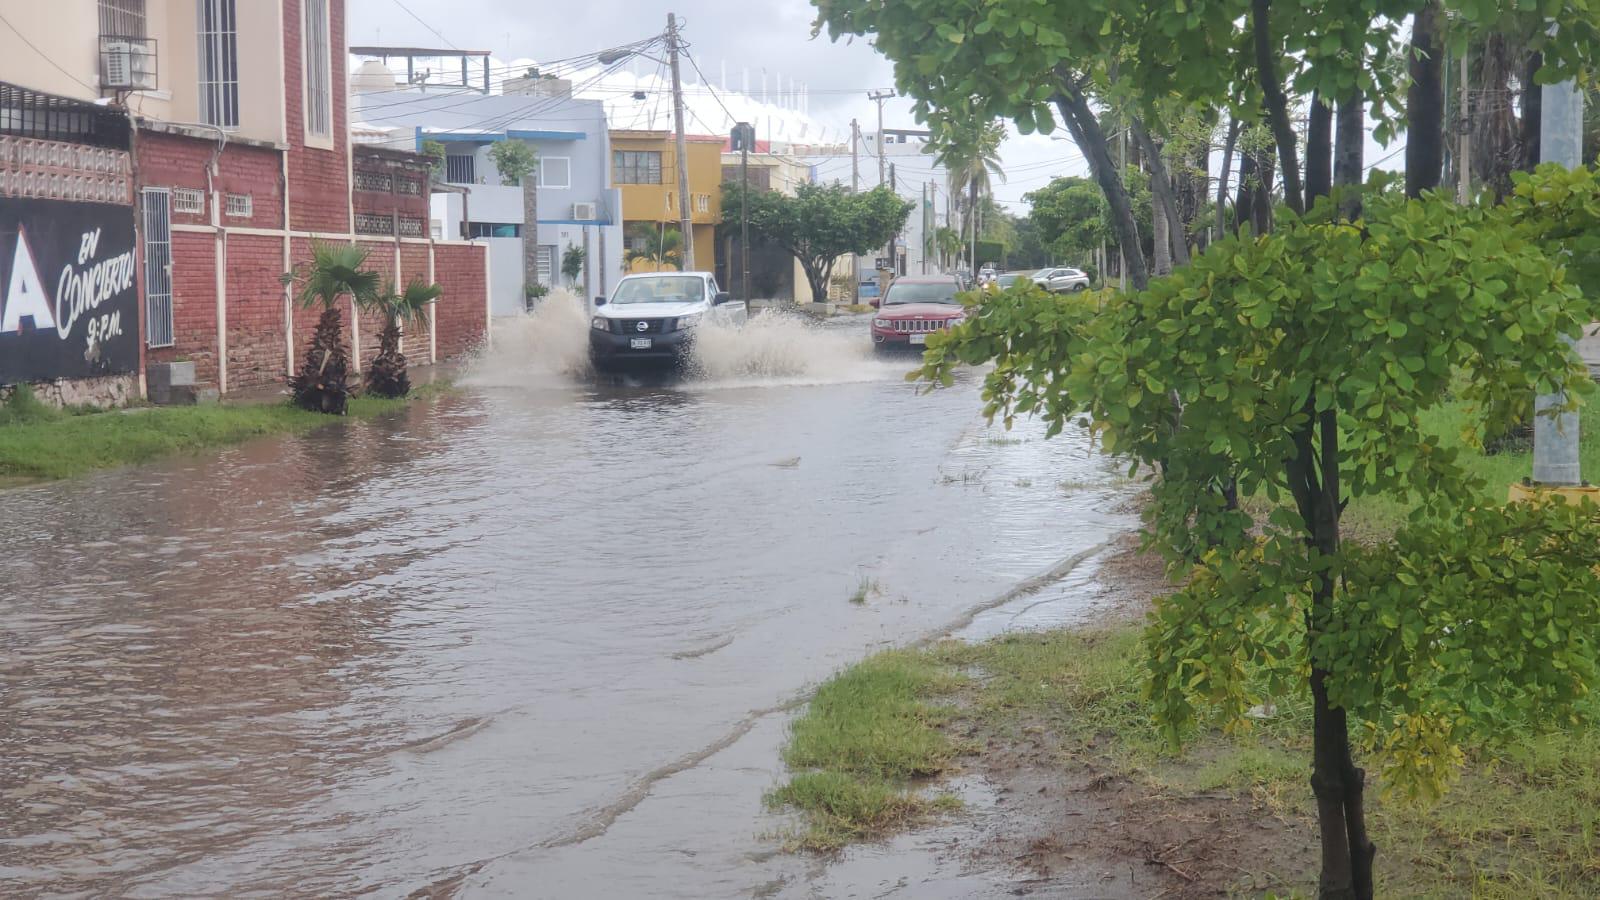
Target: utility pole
x,y
685,211
743,136
1122,254
879,97
1464,154
855,187
1555,438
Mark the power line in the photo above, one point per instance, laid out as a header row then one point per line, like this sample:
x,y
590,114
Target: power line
x,y
35,48
425,24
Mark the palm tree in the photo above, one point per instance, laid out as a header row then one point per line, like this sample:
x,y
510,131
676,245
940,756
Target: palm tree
x,y
972,162
655,245
387,376
334,272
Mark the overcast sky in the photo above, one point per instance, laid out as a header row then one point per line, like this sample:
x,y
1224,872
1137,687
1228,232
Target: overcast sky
x,y
751,34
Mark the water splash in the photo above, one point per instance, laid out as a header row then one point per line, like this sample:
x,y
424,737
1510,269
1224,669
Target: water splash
x,y
550,348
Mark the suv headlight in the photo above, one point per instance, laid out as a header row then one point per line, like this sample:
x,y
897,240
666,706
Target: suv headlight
x,y
881,323
600,323
687,322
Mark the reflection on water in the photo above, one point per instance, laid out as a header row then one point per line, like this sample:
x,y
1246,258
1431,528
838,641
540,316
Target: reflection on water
x,y
374,656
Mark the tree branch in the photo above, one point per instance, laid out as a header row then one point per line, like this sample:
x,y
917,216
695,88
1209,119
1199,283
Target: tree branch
x,y
1091,139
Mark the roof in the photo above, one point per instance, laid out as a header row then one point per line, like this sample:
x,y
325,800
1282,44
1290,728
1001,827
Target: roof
x,y
924,279
414,51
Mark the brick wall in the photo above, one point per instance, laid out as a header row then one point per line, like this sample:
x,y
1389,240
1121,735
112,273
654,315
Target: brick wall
x,y
463,310
194,306
255,311
319,179
179,161
414,265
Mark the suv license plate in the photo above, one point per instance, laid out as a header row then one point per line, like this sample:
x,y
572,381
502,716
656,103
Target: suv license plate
x,y
640,343
919,339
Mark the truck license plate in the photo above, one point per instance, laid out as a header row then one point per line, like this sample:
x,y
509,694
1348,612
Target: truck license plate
x,y
919,339
640,343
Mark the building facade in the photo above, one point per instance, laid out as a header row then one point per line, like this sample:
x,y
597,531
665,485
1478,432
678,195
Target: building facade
x,y
774,272
574,201
241,159
644,166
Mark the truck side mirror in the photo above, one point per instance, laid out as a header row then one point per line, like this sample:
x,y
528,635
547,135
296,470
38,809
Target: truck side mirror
x,y
599,301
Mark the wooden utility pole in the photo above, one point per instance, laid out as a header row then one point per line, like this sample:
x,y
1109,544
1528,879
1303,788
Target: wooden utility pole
x,y
685,211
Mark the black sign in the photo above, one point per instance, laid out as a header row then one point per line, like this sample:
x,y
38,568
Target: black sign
x,y
69,290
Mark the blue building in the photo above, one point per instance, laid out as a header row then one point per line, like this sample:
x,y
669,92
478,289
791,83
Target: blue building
x,y
577,205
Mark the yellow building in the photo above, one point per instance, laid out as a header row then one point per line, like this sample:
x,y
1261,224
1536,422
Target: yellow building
x,y
644,167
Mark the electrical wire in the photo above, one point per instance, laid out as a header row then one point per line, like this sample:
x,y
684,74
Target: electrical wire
x,y
425,24
34,47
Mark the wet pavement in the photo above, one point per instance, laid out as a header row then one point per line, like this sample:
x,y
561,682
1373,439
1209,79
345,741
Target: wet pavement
x,y
540,638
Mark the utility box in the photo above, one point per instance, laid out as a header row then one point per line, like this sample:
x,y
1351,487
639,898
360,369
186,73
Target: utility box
x,y
172,384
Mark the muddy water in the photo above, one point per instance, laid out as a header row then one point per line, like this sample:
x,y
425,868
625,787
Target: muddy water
x,y
486,645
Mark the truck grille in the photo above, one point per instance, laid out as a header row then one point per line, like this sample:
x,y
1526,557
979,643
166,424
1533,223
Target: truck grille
x,y
918,326
631,326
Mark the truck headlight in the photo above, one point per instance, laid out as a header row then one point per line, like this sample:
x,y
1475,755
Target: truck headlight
x,y
880,323
600,323
687,322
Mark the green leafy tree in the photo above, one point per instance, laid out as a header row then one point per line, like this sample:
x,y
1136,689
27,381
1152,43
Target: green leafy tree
x,y
1071,216
655,246
970,154
334,271
820,223
514,160
572,260
405,309
1301,362
435,153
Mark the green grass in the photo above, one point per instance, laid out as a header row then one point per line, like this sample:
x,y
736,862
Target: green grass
x,y
1523,821
39,443
866,588
859,750
1371,518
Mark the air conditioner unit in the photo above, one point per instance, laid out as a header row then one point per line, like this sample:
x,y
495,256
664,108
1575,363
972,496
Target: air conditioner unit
x,y
128,64
583,212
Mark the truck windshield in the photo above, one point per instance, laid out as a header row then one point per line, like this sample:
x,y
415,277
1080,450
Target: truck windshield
x,y
924,292
661,289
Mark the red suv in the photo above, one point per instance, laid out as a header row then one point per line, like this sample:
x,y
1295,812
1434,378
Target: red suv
x,y
915,307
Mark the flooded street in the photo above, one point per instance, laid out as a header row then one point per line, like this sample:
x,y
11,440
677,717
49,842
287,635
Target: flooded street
x,y
534,638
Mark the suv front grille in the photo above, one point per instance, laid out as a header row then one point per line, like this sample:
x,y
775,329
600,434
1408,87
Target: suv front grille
x,y
918,326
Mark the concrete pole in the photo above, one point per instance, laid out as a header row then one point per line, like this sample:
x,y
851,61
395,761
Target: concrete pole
x,y
855,186
685,211
1555,439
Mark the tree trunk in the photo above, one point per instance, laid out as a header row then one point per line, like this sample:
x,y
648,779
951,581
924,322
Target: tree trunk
x,y
1161,261
1165,204
817,275
1262,207
387,376
1234,127
1086,131
1244,205
1425,103
1276,104
1319,151
322,384
1349,152
1532,113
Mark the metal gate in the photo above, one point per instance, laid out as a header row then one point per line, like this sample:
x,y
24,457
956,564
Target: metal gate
x,y
158,266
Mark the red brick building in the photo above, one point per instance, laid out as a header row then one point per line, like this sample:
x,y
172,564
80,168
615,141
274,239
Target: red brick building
x,y
241,158
259,206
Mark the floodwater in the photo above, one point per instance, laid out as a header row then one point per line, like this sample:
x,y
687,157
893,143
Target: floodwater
x,y
539,638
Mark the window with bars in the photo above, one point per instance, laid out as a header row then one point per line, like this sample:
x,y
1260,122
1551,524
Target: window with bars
x,y
219,63
702,203
157,266
122,18
239,206
460,168
189,201
319,71
636,166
